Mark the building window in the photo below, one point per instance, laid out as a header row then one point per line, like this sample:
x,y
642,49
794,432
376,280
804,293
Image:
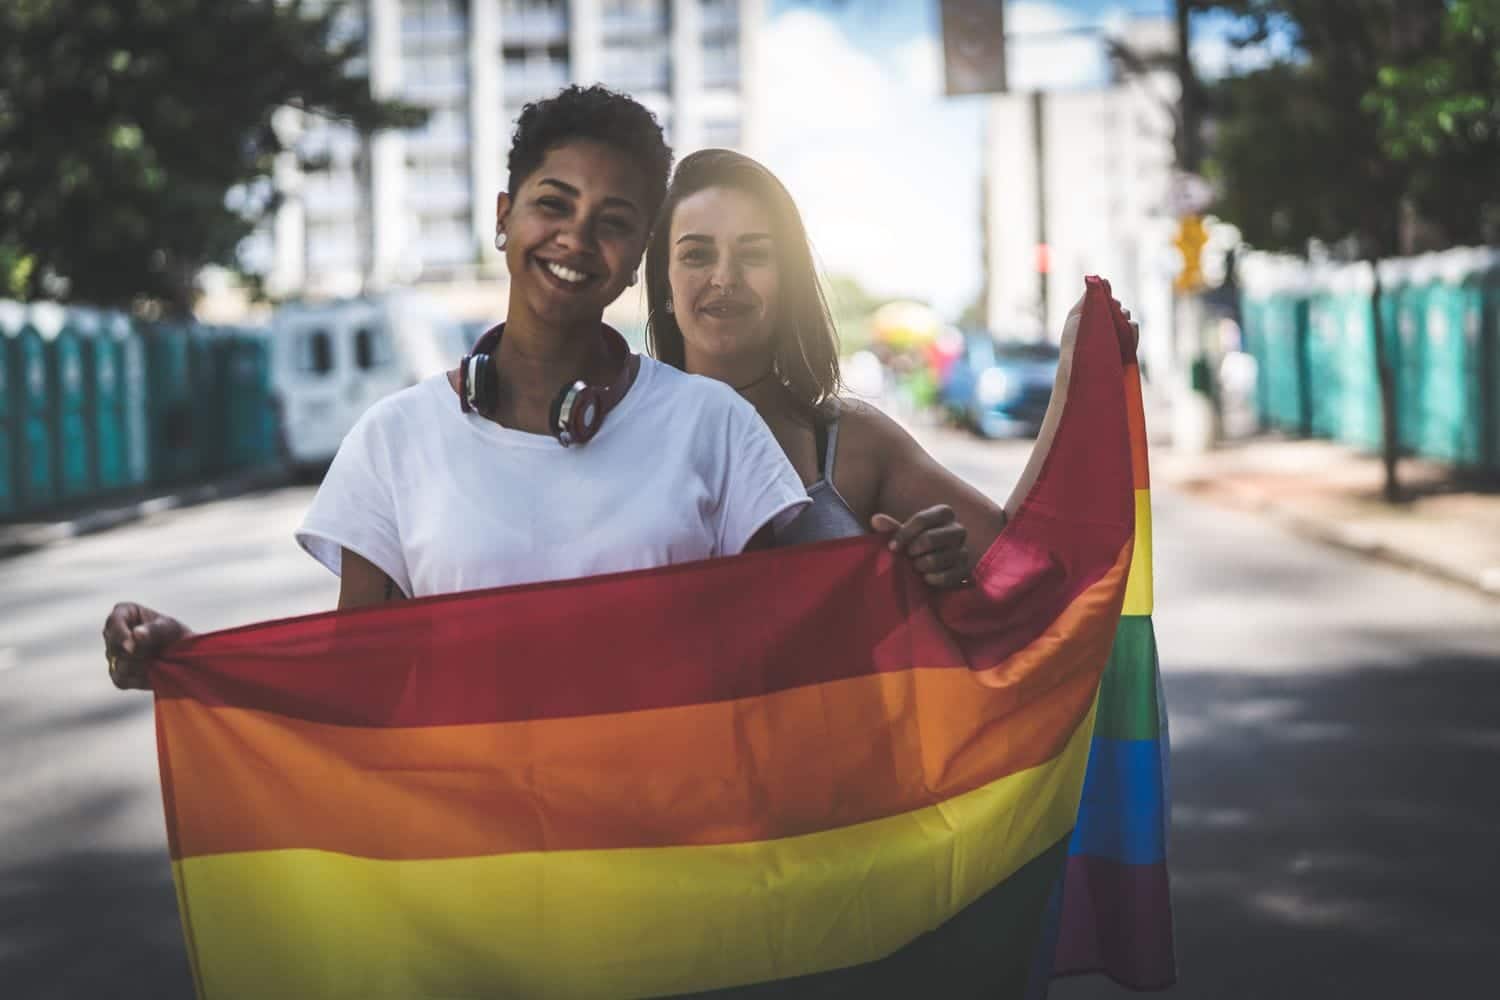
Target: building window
x,y
636,19
532,72
641,65
534,22
315,352
432,22
372,348
447,243
721,59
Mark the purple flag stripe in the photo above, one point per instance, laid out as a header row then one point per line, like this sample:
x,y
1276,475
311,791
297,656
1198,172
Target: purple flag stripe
x,y
1117,921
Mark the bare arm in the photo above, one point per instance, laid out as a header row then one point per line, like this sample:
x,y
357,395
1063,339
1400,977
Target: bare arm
x,y
939,520
362,584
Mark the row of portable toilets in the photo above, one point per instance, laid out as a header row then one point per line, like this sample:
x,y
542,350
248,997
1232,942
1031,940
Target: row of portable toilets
x,y
94,404
1311,332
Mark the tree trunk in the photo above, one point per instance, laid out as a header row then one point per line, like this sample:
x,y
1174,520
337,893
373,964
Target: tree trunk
x,y
1385,374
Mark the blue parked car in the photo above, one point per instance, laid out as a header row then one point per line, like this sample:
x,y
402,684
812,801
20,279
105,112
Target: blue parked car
x,y
1000,388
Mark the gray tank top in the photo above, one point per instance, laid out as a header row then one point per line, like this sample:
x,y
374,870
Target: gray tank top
x,y
828,516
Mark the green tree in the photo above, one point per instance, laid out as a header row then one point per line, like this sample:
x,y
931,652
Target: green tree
x,y
1442,113
1303,149
136,136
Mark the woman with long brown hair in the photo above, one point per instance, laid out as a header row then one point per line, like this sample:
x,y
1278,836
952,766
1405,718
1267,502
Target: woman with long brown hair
x,y
733,294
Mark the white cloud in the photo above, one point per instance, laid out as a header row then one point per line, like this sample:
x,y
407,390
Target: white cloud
x,y
884,168
814,79
920,63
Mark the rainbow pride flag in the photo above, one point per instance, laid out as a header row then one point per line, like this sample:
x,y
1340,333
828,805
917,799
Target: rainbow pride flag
x,y
1111,912
794,773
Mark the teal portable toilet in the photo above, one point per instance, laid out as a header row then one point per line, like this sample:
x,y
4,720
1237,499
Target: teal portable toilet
x,y
1274,364
1488,283
252,414
1287,331
1324,352
1453,426
11,317
210,400
104,374
171,397
1275,317
30,387
135,398
1405,285
1359,413
72,437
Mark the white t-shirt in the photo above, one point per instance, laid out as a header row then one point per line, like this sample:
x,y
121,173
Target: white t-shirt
x,y
442,501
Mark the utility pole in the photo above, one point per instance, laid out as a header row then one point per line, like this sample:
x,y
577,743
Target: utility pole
x,y
1043,263
1194,413
1189,141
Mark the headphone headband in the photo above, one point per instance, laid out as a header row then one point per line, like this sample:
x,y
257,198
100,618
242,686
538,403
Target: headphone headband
x,y
577,412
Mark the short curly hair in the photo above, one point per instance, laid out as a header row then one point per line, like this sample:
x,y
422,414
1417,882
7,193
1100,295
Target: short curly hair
x,y
596,113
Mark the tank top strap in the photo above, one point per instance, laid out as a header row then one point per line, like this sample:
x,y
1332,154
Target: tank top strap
x,y
829,442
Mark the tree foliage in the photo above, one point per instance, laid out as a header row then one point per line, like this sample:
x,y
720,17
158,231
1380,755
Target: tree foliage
x,y
1441,114
137,138
1296,150
1376,134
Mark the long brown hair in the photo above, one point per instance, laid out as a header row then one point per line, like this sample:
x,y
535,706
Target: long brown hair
x,y
805,345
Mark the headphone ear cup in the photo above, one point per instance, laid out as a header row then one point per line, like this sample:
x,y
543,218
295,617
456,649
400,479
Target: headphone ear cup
x,y
577,413
588,413
484,388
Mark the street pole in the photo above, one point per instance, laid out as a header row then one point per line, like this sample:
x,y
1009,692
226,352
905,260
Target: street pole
x,y
1189,153
1194,414
1039,158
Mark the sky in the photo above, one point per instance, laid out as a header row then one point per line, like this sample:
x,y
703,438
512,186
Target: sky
x,y
885,169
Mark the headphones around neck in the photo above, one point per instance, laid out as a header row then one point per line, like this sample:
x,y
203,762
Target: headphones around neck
x,y
579,409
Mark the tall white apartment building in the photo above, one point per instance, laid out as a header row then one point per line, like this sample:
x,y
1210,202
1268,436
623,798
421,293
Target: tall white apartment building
x,y
417,207
1106,170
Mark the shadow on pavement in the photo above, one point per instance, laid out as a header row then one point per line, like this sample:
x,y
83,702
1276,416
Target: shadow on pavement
x,y
92,924
1334,833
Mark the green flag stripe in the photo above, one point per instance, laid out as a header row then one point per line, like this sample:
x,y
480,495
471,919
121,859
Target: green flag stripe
x,y
1127,695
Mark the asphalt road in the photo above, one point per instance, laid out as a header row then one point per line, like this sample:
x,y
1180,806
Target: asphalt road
x,y
1335,729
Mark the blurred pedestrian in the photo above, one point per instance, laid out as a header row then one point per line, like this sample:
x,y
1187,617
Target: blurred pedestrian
x,y
487,475
733,294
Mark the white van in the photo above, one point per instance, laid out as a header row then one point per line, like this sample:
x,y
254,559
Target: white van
x,y
330,361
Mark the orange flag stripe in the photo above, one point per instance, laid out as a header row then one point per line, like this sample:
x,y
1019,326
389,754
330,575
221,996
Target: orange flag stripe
x,y
823,756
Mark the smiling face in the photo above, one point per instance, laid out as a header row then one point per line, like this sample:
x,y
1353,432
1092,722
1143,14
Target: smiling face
x,y
725,279
574,232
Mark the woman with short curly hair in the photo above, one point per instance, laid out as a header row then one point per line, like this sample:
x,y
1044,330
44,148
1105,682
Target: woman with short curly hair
x,y
551,451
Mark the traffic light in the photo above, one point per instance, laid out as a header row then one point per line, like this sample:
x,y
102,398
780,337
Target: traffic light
x,y
1191,237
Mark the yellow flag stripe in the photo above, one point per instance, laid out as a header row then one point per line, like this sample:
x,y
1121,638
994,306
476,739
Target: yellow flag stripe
x,y
1138,590
614,923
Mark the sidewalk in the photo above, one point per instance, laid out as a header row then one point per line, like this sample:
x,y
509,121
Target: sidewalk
x,y
1329,492
17,537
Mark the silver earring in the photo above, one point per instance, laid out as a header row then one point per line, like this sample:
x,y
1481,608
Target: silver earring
x,y
500,242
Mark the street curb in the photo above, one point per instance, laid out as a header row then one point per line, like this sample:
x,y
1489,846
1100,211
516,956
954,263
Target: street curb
x,y
19,539
1486,583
